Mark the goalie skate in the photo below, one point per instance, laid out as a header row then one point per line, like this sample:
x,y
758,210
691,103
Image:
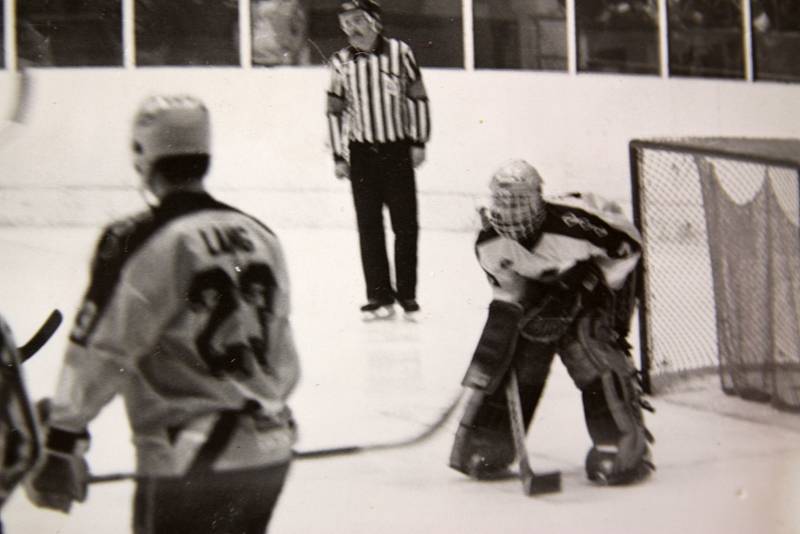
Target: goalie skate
x,y
375,310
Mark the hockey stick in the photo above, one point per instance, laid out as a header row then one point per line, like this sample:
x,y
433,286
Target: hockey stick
x,y
41,336
532,484
429,431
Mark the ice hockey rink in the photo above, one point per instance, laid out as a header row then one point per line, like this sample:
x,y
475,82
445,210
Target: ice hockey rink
x,y
724,465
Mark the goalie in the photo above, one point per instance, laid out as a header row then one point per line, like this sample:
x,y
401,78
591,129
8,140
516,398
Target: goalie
x,y
562,276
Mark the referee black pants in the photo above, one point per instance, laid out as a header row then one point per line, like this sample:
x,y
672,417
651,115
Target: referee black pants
x,y
382,175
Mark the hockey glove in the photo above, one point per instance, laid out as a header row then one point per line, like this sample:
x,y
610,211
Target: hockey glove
x,y
585,279
63,474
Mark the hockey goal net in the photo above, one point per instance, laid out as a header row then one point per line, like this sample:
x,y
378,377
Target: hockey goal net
x,y
720,281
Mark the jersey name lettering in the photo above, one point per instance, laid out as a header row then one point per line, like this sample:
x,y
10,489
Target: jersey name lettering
x,y
226,240
571,219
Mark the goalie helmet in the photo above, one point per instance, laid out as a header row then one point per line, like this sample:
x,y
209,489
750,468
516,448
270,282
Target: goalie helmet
x,y
516,207
169,126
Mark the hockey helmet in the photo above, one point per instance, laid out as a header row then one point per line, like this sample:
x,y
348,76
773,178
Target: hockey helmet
x,y
361,21
173,125
516,207
370,7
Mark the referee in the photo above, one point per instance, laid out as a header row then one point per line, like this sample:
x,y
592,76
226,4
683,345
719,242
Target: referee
x,y
379,123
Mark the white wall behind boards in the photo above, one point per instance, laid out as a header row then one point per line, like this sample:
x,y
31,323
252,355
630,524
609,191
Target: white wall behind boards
x,y
69,163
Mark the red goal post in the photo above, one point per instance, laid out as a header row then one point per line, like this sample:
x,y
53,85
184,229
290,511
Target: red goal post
x,y
719,290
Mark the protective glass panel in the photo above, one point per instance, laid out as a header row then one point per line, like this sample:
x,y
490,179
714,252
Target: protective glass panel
x,y
279,30
776,39
62,33
433,29
187,32
529,35
705,38
619,36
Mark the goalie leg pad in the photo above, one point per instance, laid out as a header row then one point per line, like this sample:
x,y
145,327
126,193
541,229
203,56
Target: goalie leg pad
x,y
483,448
601,468
612,400
615,423
495,348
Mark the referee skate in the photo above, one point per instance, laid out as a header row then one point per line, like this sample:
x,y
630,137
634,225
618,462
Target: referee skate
x,y
384,310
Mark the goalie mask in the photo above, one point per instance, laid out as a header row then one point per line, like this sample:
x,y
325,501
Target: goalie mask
x,y
516,208
169,126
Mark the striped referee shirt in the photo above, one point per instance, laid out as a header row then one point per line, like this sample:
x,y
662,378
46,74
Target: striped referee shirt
x,y
376,97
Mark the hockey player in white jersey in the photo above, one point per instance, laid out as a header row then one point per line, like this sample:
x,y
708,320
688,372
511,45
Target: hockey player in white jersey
x,y
187,317
562,274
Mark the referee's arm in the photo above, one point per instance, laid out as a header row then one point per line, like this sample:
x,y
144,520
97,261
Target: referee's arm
x,y
335,110
418,128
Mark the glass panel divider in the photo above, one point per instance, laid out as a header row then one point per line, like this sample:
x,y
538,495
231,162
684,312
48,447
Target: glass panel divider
x,y
572,36
128,34
245,35
10,33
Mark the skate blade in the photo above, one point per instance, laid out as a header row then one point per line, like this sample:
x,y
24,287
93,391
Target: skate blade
x,y
381,314
411,317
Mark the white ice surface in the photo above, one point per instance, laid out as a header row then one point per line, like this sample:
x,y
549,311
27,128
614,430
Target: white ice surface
x,y
724,466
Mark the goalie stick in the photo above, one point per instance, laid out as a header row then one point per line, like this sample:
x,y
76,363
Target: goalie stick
x,y
429,431
532,484
45,332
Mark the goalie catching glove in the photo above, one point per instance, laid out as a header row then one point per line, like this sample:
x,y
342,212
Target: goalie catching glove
x,y
62,476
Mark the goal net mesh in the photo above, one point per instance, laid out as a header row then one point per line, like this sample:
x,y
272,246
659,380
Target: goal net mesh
x,y
721,264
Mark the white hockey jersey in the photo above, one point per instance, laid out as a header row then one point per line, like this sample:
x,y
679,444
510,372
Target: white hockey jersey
x,y
577,227
186,315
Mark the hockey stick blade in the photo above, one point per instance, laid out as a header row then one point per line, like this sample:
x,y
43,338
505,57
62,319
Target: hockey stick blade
x,y
429,431
45,332
537,484
532,483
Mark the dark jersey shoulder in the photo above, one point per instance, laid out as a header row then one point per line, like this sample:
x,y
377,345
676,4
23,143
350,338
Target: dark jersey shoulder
x,y
573,221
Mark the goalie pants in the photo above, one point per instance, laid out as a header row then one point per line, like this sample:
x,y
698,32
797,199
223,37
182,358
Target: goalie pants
x,y
209,502
382,174
609,392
